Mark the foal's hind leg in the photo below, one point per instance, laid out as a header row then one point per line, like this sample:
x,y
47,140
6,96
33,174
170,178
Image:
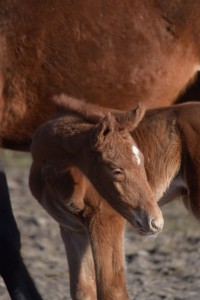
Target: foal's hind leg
x,y
106,230
81,264
12,268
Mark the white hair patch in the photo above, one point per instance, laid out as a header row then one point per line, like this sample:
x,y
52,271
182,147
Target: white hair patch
x,y
136,152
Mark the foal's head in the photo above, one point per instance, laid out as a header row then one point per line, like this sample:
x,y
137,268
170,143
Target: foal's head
x,y
117,171
108,156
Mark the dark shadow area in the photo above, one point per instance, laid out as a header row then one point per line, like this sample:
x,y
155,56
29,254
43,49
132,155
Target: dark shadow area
x,y
192,93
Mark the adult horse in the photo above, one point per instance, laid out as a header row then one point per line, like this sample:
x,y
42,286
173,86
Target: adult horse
x,y
114,53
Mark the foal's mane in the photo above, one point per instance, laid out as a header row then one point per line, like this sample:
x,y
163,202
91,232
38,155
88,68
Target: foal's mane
x,y
93,114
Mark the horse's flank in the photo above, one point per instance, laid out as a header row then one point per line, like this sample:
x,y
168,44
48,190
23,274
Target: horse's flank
x,y
114,55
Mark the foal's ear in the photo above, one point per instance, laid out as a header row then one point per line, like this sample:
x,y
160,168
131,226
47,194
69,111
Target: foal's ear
x,y
104,128
129,120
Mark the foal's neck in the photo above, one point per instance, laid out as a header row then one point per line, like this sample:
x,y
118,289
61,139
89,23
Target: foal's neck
x,y
158,138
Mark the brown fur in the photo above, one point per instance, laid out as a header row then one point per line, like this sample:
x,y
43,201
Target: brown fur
x,y
168,139
115,54
75,184
172,153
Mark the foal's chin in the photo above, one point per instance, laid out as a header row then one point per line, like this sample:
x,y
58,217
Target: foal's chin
x,y
147,234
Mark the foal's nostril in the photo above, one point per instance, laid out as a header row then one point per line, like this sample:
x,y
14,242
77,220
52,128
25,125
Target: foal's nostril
x,y
156,224
153,224
145,224
138,223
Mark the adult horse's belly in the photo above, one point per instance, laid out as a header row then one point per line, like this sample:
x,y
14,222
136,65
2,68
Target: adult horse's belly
x,y
113,55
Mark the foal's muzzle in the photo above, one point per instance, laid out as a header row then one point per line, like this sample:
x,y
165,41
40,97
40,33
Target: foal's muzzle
x,y
147,225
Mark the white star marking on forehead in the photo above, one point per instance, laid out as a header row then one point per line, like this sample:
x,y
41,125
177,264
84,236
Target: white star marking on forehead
x,y
136,152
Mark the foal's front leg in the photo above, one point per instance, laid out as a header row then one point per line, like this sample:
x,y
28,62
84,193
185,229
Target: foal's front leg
x,y
81,264
106,231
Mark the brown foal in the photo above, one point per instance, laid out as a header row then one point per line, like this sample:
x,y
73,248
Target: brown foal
x,y
88,177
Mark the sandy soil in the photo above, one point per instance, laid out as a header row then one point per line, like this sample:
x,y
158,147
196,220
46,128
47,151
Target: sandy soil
x,y
167,267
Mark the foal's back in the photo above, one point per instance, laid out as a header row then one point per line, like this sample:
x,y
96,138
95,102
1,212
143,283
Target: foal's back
x,y
169,139
188,115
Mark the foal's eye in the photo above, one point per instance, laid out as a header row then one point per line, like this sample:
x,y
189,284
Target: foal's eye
x,y
118,173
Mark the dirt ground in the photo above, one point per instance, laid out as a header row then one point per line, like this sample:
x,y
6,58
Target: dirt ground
x,y
167,267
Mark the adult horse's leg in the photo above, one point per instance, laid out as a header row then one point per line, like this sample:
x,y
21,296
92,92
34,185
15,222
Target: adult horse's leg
x,y
81,264
12,269
192,174
106,230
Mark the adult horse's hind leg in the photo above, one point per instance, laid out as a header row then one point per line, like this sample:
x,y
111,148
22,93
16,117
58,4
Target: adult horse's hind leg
x,y
106,230
190,131
12,269
192,170
81,264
